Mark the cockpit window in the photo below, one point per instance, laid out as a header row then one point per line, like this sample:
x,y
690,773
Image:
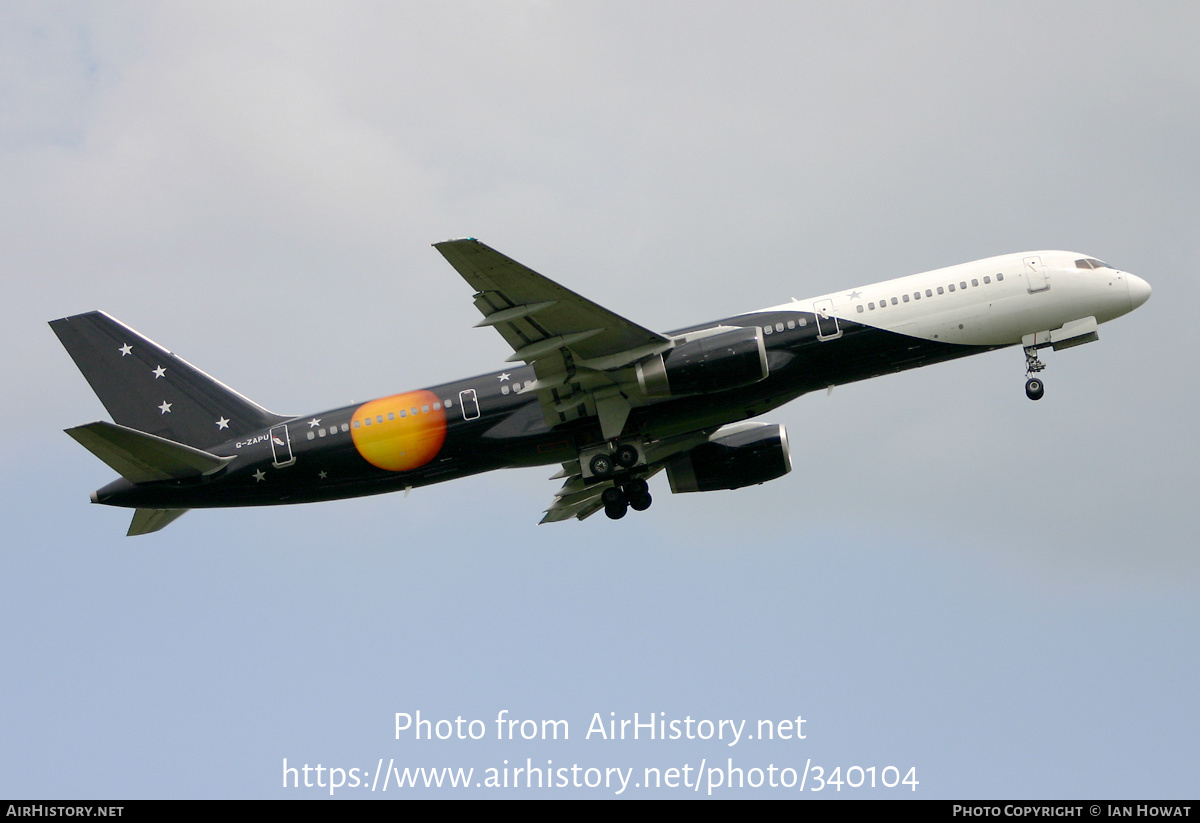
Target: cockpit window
x,y
1091,263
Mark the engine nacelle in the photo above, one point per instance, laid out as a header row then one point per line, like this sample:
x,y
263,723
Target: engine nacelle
x,y
749,454
723,361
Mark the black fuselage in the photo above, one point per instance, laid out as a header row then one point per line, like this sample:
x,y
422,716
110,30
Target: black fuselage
x,y
487,427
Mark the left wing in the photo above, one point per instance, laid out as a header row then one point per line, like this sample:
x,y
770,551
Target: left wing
x,y
572,343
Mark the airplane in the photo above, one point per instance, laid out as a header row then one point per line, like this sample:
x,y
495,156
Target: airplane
x,y
611,401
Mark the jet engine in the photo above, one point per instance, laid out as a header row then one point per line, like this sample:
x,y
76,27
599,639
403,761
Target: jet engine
x,y
744,454
722,361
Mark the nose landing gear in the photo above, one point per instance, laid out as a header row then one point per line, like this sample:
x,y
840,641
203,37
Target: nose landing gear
x,y
1034,387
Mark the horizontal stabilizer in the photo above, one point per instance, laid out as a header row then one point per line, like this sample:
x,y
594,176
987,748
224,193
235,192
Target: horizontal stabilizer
x,y
144,458
151,520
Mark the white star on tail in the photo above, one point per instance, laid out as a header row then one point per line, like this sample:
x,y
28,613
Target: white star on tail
x,y
165,408
126,349
159,372
260,476
223,423
316,421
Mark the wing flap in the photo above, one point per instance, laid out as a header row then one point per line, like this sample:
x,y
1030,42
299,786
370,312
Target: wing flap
x,y
576,499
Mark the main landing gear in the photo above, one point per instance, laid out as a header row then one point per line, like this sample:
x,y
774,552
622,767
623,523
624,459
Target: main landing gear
x,y
619,464
631,494
1034,387
623,457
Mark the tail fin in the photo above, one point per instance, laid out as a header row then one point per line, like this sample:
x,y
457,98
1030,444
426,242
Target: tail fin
x,y
147,388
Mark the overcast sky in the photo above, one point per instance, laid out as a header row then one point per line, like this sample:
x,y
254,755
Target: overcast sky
x,y
999,593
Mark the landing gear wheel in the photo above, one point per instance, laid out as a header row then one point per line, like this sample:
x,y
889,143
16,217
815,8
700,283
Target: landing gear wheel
x,y
640,502
636,487
1034,388
616,511
626,456
612,496
602,466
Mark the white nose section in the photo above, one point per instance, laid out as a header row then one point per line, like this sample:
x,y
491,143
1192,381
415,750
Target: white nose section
x,y
1139,291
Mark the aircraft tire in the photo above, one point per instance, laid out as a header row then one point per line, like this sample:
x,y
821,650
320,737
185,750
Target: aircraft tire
x,y
640,502
601,465
636,486
616,511
626,456
1034,388
612,496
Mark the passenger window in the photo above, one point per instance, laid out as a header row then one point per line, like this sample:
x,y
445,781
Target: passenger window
x,y
767,329
504,389
894,301
929,292
916,295
367,421
860,308
792,323
357,424
437,406
906,298
963,285
320,432
778,327
310,435
391,416
986,280
940,291
999,275
951,287
413,411
803,321
871,306
425,409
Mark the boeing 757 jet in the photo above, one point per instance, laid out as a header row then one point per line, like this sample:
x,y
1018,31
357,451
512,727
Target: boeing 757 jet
x,y
611,401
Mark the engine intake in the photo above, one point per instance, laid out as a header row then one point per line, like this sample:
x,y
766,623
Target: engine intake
x,y
728,360
751,454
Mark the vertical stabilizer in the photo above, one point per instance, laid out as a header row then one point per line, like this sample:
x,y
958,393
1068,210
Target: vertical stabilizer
x,y
147,388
